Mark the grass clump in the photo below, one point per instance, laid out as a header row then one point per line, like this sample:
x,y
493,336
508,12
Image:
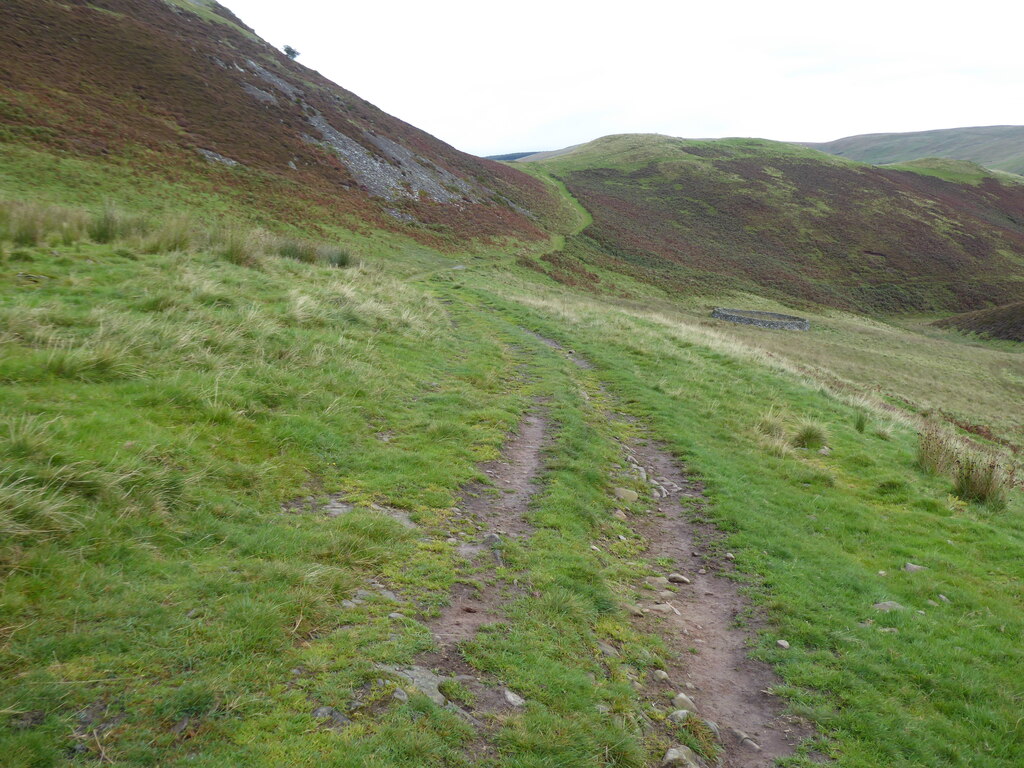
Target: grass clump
x,y
771,424
982,479
810,435
107,225
240,247
936,450
860,421
174,234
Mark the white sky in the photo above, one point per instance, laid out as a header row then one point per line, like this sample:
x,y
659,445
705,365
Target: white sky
x,y
494,77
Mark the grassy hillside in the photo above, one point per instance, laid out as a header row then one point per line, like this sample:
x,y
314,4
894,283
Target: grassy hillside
x,y
210,105
287,479
994,146
791,223
167,400
1005,322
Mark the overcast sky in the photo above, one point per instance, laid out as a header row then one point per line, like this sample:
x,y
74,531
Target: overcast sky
x,y
493,77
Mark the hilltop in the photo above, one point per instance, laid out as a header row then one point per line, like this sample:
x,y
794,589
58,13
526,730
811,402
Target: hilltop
x,y
999,147
792,223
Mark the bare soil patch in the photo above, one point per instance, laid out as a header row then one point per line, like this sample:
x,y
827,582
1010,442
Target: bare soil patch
x,y
713,666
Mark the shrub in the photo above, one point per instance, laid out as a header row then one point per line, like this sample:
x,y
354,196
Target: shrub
x,y
860,422
810,435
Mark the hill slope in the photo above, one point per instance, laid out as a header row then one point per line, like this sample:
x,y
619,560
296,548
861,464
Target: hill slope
x,y
994,146
184,91
798,225
1006,322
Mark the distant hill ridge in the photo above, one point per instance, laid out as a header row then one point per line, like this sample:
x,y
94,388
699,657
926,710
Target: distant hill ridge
x,y
994,146
791,222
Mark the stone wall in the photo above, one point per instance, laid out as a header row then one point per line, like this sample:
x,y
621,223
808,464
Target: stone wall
x,y
762,319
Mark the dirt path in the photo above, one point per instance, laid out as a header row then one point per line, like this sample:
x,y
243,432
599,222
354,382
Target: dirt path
x,y
498,512
697,619
495,512
726,686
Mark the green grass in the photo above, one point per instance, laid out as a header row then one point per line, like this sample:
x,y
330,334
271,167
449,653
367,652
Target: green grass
x,y
166,392
811,535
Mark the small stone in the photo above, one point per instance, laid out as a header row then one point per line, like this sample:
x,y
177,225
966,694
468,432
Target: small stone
x,y
679,716
627,495
730,556
881,573
620,515
396,615
933,603
660,674
349,604
451,540
635,610
678,578
400,695
944,599
825,450
666,594
702,571
661,608
782,644
683,757
713,727
888,630
911,568
682,701
657,581
604,709
491,540
595,547
749,743
331,716
887,606
606,649
514,699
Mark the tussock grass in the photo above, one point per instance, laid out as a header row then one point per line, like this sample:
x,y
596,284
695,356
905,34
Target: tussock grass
x,y
27,510
241,247
860,421
977,476
29,224
936,449
983,479
174,233
772,424
811,435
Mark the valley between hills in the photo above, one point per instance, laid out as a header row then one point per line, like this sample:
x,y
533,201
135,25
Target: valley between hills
x,y
323,443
